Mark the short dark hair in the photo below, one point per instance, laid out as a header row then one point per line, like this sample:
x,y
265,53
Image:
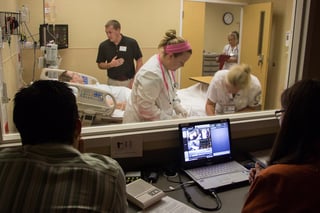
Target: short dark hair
x,y
45,112
298,140
114,23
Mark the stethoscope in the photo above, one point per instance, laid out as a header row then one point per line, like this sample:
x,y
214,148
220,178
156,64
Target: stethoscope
x,y
233,50
174,85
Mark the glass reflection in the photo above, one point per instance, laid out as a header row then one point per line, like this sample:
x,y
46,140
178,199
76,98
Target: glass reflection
x,y
278,55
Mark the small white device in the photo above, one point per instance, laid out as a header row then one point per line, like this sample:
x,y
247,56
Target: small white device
x,y
50,56
52,52
143,194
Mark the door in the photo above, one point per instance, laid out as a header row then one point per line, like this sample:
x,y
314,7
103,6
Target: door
x,y
255,41
193,31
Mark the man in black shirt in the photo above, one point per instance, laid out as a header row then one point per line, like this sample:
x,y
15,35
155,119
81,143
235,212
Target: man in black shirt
x,y
117,55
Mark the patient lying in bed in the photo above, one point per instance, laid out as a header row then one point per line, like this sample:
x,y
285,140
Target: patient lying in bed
x,y
121,94
193,97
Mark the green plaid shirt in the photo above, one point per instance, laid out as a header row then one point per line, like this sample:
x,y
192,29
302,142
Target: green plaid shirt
x,y
58,178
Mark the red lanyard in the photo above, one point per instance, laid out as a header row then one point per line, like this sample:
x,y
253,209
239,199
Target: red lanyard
x,y
164,76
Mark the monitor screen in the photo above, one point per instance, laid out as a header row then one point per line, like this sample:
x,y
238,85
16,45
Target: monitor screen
x,y
205,140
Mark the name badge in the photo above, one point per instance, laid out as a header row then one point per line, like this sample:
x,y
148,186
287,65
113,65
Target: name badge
x,y
123,48
229,109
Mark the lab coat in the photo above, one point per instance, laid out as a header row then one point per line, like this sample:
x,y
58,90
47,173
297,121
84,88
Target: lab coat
x,y
150,99
227,50
247,97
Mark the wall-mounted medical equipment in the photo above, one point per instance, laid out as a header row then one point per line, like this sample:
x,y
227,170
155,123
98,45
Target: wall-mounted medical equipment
x,y
56,32
9,24
52,38
50,57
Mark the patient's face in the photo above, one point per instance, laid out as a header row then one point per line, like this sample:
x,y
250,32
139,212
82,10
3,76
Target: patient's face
x,y
75,77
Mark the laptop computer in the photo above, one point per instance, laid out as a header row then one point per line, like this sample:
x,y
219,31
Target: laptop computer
x,y
207,157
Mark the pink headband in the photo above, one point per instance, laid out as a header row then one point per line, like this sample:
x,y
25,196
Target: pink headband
x,y
177,48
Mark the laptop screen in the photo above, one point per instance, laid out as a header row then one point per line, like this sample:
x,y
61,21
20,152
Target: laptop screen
x,y
205,142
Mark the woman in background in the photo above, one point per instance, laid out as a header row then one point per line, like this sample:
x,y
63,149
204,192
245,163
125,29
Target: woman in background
x,y
230,51
153,95
291,181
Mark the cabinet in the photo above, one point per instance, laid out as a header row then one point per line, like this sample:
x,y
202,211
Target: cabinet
x,y
209,64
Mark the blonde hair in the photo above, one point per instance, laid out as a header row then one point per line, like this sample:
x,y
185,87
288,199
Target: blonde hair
x,y
239,76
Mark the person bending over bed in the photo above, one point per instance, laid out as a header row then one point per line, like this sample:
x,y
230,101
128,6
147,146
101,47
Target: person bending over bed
x,y
234,90
120,93
154,94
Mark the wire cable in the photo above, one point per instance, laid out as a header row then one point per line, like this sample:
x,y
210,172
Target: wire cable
x,y
212,192
173,188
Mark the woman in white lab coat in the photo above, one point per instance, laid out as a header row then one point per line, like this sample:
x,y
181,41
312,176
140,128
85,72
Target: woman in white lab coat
x,y
231,50
153,95
234,90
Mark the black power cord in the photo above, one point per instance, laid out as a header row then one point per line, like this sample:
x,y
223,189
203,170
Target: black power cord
x,y
212,192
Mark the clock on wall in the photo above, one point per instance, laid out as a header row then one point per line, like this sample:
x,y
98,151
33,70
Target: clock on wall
x,y
227,18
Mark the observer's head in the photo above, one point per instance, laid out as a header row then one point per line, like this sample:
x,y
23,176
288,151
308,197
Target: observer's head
x,y
46,112
298,140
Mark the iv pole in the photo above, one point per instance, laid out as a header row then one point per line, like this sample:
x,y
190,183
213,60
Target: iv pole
x,y
44,29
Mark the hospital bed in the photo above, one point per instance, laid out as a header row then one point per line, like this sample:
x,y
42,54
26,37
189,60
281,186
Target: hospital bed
x,y
94,104
53,74
193,98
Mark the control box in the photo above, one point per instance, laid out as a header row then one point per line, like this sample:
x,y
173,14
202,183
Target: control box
x,y
143,194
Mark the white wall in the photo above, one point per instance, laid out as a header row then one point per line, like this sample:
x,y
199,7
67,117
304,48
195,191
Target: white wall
x,y
215,30
144,20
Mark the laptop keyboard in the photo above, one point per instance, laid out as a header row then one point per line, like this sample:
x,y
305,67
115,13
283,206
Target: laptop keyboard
x,y
217,169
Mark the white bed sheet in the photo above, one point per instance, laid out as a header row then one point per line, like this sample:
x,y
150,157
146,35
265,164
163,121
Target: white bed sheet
x,y
194,98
